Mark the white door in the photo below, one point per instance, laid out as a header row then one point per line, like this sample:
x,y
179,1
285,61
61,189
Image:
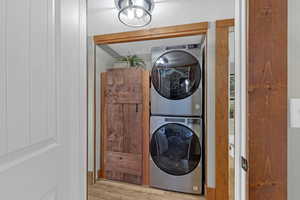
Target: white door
x,y
42,100
240,110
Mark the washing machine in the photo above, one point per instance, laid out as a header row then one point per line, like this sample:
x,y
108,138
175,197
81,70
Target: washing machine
x,y
177,80
176,154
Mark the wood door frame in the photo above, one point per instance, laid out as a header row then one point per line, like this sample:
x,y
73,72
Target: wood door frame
x,y
267,123
163,33
222,108
153,33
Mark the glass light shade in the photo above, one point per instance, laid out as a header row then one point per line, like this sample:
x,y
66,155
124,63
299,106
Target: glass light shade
x,y
135,13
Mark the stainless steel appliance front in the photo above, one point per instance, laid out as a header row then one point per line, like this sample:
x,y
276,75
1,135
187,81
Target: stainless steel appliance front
x,y
177,80
176,154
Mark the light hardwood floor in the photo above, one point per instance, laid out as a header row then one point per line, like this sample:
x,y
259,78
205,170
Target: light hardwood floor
x,y
110,190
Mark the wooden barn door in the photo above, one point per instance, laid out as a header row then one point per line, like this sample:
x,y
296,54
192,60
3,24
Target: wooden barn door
x,y
123,134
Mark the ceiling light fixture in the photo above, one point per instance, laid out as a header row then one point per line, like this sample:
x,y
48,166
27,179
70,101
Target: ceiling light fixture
x,y
135,13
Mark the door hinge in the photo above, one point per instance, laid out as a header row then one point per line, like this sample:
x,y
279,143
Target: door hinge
x,y
244,164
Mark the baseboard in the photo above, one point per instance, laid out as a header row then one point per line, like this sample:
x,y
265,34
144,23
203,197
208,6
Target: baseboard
x,y
100,174
210,193
90,178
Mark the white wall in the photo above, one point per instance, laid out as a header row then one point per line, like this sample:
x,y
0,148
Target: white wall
x,y
91,62
102,19
99,58
293,92
103,62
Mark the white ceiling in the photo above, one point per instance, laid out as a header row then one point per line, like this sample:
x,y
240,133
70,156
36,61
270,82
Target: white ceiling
x,y
144,47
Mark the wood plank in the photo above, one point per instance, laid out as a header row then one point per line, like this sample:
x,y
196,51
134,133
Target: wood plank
x,y
126,163
124,134
124,85
115,129
267,99
153,33
133,131
145,126
225,23
133,137
113,138
221,112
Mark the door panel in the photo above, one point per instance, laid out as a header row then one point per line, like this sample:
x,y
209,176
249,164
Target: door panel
x,y
123,153
39,103
115,126
124,86
132,128
126,163
28,101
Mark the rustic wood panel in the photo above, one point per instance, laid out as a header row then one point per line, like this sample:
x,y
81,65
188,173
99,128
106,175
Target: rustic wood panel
x,y
115,128
126,112
153,34
267,99
133,132
123,154
125,163
222,108
124,89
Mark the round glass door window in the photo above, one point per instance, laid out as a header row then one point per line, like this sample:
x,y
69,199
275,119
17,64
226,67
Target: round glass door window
x,y
176,75
175,149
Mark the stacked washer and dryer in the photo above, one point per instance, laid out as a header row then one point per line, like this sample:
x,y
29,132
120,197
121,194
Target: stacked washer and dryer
x,y
176,123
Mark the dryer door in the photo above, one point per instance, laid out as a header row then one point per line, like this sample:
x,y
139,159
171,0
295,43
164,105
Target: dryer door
x,y
175,149
176,75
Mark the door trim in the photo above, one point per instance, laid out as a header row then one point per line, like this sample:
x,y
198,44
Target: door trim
x,y
267,122
146,126
153,33
162,33
222,107
148,34
240,101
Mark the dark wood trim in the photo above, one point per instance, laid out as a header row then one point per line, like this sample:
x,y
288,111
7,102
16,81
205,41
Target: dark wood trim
x,y
210,194
145,125
95,122
100,174
225,23
267,99
153,34
221,108
103,124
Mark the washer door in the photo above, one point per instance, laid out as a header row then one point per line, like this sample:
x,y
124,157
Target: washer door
x,y
175,149
176,75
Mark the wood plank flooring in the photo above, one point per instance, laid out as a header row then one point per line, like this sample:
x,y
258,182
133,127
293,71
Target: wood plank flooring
x,y
110,190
